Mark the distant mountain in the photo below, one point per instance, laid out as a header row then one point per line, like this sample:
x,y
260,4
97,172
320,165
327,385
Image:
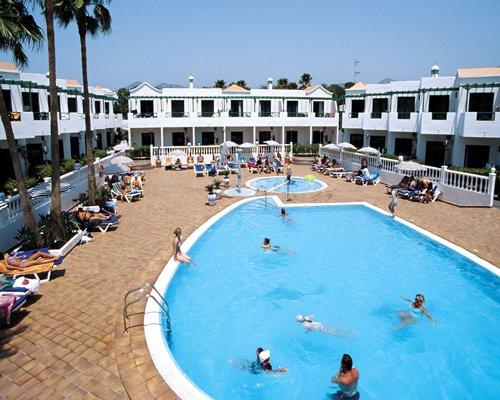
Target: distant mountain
x,y
387,80
164,85
132,85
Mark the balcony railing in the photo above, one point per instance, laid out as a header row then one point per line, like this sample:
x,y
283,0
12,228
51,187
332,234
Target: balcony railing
x,y
269,114
294,114
81,115
177,114
376,115
404,115
95,115
106,115
15,116
209,114
485,116
240,114
63,115
41,116
439,116
146,115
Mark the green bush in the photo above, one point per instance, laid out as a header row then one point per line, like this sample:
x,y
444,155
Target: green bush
x,y
101,153
306,148
10,187
136,152
43,171
67,165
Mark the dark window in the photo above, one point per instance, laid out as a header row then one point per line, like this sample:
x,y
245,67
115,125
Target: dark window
x,y
379,106
58,102
236,108
178,139
406,105
75,146
319,108
177,108
291,136
207,138
108,138
147,108
237,137
7,98
482,103
403,146
357,106
147,139
31,102
106,107
207,108
377,142
99,140
476,156
356,139
72,105
6,169
263,136
97,106
292,107
434,154
439,105
265,108
34,155
318,137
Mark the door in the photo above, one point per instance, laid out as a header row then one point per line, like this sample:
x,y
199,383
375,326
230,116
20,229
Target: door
x,y
263,136
265,108
403,146
439,105
292,136
178,139
377,142
476,156
6,170
106,107
108,138
318,137
31,102
207,138
434,154
147,108
99,140
207,108
379,106
147,139
292,108
177,108
72,105
74,143
356,139
237,137
319,108
482,103
357,106
97,106
406,105
236,108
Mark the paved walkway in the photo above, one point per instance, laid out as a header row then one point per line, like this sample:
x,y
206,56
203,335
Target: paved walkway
x,y
68,343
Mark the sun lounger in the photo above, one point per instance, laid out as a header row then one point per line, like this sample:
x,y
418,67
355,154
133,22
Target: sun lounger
x,y
9,303
199,170
102,226
117,193
34,270
233,167
28,253
421,196
372,179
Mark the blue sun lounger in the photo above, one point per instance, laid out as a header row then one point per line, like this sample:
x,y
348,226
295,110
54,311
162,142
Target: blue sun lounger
x,y
28,253
373,179
102,226
199,170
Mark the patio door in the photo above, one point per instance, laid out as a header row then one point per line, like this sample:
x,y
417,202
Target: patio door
x,y
434,154
74,143
476,156
356,139
291,136
178,139
263,136
377,142
318,137
237,137
319,108
147,139
207,108
207,138
403,146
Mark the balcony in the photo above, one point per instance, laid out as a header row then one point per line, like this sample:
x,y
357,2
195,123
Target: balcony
x,y
269,114
145,115
433,123
479,124
207,114
376,121
63,116
177,114
293,114
403,121
41,116
353,120
239,114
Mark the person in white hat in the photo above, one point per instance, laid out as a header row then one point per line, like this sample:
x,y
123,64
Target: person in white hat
x,y
263,357
310,325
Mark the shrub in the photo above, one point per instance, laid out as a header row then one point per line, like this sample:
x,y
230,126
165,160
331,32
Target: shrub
x,y
43,171
306,148
136,152
101,153
10,187
67,165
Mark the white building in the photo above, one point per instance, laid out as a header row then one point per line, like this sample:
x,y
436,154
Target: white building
x,y
27,98
210,116
440,120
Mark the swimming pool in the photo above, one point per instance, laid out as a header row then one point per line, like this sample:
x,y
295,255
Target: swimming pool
x,y
348,265
276,184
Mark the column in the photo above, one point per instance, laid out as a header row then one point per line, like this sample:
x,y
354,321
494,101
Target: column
x,y
310,134
129,136
254,135
193,141
283,134
161,137
223,134
66,144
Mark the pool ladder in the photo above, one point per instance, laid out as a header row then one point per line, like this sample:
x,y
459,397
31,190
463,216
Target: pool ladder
x,y
145,290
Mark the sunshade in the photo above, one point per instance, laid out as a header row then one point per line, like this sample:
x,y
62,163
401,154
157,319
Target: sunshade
x,y
330,146
345,145
410,166
116,169
122,146
228,143
369,150
272,143
247,145
121,160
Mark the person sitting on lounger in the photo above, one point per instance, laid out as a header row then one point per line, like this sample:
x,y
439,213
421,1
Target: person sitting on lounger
x,y
13,262
136,183
176,245
89,216
200,159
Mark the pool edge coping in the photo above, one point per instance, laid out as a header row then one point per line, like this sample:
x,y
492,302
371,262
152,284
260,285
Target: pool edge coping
x,y
165,363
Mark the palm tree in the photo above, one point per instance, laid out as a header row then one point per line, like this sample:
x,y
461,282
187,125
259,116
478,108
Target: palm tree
x,y
91,17
17,28
220,83
282,83
305,80
55,201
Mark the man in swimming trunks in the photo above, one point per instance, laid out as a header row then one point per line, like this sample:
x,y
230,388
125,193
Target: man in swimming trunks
x,y
347,378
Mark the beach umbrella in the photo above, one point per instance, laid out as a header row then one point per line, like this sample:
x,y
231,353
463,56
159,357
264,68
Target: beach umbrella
x,y
177,153
228,143
113,169
369,150
121,160
122,146
410,166
345,145
330,146
272,143
247,145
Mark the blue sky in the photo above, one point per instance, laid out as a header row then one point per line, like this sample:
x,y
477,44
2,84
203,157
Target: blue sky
x,y
163,40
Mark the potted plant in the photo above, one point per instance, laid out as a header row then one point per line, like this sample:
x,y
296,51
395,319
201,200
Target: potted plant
x,y
226,174
216,185
211,197
158,162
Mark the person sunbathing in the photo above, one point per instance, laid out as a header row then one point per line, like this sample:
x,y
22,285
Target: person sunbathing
x,y
200,159
13,262
89,216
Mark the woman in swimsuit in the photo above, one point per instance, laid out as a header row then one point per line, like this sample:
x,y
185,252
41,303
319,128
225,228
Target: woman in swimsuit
x,y
416,307
87,216
176,245
12,262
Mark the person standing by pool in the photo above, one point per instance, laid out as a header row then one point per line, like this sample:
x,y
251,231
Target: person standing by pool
x,y
394,202
176,246
347,379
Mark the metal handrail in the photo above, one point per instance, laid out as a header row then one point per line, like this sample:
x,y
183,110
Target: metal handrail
x,y
142,288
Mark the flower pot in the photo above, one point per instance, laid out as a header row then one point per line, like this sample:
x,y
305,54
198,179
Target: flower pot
x,y
158,163
218,194
211,197
226,181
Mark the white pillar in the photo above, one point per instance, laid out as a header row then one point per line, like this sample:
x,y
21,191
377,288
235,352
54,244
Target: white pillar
x,y
223,134
283,135
129,136
161,136
66,144
254,135
193,142
310,134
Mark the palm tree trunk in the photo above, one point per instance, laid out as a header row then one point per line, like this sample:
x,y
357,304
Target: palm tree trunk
x,y
18,172
55,205
86,110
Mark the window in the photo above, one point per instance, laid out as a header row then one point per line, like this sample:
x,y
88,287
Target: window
x,y
319,108
434,154
439,106
147,108
403,146
97,106
147,139
292,136
106,107
207,138
476,156
482,103
178,139
236,108
265,108
357,106
8,99
379,106
207,108
292,108
356,139
72,105
177,108
237,137
31,102
406,105
263,136
58,102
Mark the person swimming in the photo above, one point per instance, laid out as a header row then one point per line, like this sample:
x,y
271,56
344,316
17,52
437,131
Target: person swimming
x,y
285,215
310,325
266,244
416,307
262,364
347,378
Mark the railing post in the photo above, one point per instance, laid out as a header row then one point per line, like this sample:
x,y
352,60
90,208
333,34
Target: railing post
x,y
492,177
151,155
442,175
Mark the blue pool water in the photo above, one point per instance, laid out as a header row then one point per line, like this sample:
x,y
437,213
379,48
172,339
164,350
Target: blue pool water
x,y
298,185
349,266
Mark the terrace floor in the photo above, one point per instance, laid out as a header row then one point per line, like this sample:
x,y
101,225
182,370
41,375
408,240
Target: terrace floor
x,y
68,343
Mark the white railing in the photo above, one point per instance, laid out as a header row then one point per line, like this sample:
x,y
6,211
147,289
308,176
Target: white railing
x,y
459,188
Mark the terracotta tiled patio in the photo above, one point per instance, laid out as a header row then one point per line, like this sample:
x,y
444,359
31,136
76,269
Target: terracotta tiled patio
x,y
68,343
